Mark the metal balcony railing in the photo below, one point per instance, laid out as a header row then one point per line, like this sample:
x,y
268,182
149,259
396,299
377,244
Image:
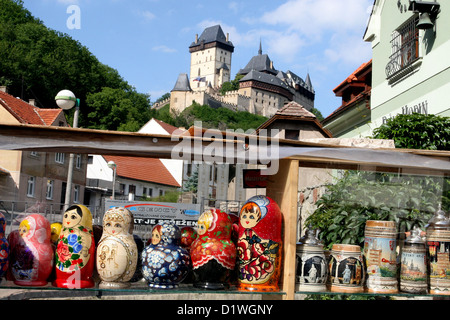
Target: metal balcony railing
x,y
405,47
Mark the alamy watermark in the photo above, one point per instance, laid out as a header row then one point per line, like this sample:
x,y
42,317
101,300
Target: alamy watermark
x,y
74,20
230,146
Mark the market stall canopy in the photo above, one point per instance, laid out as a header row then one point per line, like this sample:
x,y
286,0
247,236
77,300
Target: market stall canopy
x,y
221,147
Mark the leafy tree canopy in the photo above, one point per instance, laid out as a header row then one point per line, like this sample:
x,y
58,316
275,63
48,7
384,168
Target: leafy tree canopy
x,y
416,131
37,62
220,118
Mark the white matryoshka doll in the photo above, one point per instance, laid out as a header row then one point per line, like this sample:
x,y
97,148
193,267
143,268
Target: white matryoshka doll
x,y
117,252
75,251
32,256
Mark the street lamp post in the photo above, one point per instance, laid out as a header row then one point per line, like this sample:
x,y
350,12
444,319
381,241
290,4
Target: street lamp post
x,y
66,100
113,166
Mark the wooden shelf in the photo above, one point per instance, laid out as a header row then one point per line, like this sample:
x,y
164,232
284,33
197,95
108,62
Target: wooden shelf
x,y
282,187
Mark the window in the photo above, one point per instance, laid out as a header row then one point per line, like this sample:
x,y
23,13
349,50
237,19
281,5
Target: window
x,y
291,134
49,193
404,47
59,157
76,194
34,154
78,161
30,186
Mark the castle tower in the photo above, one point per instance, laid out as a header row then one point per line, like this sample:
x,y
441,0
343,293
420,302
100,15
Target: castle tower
x,y
210,59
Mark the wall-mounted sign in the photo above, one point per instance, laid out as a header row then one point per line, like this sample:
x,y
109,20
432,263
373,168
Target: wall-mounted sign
x,y
254,179
147,214
421,107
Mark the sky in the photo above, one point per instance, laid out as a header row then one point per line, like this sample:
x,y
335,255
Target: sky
x,y
147,41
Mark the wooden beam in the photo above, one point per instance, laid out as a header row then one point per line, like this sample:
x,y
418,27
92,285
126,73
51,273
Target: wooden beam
x,y
283,189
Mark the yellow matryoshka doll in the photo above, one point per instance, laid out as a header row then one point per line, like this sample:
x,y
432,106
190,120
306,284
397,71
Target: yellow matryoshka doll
x,y
75,251
117,252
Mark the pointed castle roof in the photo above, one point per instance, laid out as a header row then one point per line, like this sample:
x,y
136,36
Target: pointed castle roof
x,y
215,37
182,83
261,63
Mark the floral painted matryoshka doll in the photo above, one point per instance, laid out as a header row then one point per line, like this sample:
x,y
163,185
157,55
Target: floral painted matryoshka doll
x,y
164,262
4,248
117,252
213,253
75,252
32,255
260,245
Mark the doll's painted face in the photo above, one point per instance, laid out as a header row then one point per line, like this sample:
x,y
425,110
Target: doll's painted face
x,y
113,227
204,222
24,228
250,216
71,218
156,235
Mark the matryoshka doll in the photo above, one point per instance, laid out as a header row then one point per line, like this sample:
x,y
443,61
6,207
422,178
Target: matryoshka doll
x,y
75,252
117,252
164,262
32,258
4,248
213,254
260,245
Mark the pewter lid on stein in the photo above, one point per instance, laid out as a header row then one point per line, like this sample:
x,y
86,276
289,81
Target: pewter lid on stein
x,y
415,236
310,238
439,219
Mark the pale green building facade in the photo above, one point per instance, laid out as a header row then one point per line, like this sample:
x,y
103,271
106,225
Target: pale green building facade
x,y
410,65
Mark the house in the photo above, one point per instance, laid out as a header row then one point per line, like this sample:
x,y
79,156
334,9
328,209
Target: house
x,y
136,177
410,61
38,179
353,117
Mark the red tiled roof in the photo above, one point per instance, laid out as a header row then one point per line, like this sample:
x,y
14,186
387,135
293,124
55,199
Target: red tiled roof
x,y
169,128
144,169
294,109
25,112
353,76
49,115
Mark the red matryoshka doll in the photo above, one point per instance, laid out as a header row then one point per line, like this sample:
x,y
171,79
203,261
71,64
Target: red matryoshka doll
x,y
213,254
75,252
259,245
188,236
4,248
32,255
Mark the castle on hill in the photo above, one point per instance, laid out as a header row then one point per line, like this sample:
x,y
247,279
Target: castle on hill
x,y
263,90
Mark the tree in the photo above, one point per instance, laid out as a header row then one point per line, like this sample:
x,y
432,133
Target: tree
x,y
116,109
37,62
231,85
416,131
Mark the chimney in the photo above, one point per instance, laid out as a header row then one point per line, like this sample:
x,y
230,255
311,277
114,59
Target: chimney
x,y
271,64
228,37
196,38
32,102
4,89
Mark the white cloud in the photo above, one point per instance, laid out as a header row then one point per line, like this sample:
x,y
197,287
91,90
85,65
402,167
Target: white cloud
x,y
334,27
163,48
312,18
147,15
